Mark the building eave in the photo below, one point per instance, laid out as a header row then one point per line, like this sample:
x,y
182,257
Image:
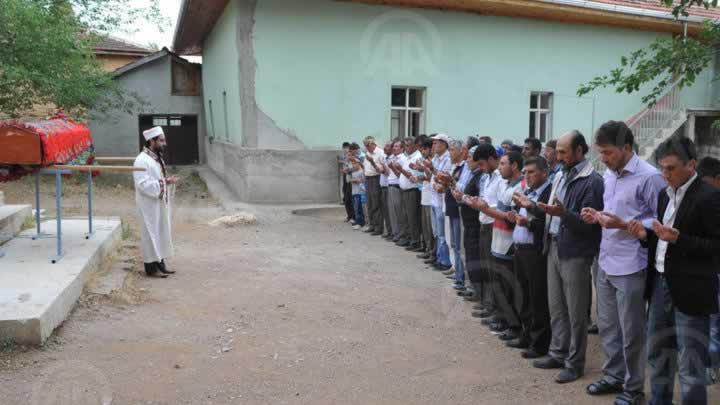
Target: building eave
x,y
197,18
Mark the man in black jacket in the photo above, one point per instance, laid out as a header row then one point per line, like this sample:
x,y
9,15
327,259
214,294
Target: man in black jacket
x,y
572,246
684,244
529,262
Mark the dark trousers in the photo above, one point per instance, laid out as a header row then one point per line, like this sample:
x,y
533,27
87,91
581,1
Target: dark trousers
x,y
347,199
505,284
473,256
427,232
374,196
411,211
385,210
530,267
677,344
486,265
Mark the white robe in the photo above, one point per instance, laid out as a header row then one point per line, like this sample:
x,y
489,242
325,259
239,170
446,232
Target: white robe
x,y
154,209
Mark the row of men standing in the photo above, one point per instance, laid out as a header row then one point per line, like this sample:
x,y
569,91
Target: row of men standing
x,y
532,230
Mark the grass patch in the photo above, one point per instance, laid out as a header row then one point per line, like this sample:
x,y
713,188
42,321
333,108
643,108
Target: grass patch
x,y
28,223
127,231
7,345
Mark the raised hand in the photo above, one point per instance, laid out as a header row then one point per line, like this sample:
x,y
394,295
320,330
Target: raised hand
x,y
589,215
664,232
637,229
611,221
555,210
522,200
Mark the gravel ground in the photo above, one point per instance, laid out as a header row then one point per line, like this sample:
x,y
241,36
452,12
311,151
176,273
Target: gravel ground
x,y
295,309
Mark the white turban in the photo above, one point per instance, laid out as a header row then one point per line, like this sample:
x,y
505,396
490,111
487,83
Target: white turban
x,y
153,133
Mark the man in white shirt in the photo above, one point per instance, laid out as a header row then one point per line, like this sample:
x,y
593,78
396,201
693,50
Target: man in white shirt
x,y
397,219
411,195
683,248
374,161
440,163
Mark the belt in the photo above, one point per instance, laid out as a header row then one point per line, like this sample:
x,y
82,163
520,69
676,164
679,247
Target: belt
x,y
410,189
393,185
554,238
525,246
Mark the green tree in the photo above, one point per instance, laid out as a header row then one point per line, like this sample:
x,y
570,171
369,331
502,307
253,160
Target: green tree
x,y
46,54
666,60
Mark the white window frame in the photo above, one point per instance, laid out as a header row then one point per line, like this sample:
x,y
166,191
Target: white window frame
x,y
538,111
406,109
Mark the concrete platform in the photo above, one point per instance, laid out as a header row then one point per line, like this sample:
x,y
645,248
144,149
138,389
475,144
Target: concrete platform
x,y
36,296
12,218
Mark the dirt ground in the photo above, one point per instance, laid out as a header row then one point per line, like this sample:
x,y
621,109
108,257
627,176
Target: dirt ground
x,y
293,310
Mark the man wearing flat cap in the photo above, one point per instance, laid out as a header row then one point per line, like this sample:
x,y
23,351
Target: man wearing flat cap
x,y
153,194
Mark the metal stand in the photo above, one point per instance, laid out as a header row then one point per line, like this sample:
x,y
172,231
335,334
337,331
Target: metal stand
x,y
59,252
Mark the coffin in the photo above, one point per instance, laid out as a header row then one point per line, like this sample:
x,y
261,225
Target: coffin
x,y
28,146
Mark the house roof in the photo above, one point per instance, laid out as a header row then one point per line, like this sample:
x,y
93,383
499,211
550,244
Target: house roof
x,y
197,17
149,59
115,46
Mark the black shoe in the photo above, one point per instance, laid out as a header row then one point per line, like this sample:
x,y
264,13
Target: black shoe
x,y
593,329
430,261
603,387
163,269
442,267
531,354
509,335
487,321
548,363
402,243
466,293
629,398
376,233
412,247
568,375
498,327
478,307
419,249
472,298
482,314
423,256
388,237
518,344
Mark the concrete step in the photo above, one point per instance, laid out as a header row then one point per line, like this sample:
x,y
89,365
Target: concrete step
x,y
36,295
12,218
2,198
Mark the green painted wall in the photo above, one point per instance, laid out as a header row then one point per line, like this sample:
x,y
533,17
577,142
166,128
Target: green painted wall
x,y
314,76
221,72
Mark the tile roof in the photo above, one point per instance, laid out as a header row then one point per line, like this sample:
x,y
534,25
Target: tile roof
x,y
112,45
656,5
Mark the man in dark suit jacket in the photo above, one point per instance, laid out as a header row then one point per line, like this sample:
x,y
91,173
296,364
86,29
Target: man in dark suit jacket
x,y
684,245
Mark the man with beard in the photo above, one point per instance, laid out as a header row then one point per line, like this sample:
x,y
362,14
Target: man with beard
x,y
153,196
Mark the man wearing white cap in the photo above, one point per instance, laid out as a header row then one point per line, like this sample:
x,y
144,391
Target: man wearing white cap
x,y
153,195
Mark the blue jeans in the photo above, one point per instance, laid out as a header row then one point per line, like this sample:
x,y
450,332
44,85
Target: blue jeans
x,y
677,343
358,207
442,253
456,243
715,339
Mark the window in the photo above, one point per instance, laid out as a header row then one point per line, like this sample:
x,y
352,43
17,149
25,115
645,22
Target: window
x,y
407,117
540,115
175,121
160,121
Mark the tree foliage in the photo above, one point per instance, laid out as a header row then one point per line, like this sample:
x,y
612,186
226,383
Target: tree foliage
x,y
46,54
665,61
